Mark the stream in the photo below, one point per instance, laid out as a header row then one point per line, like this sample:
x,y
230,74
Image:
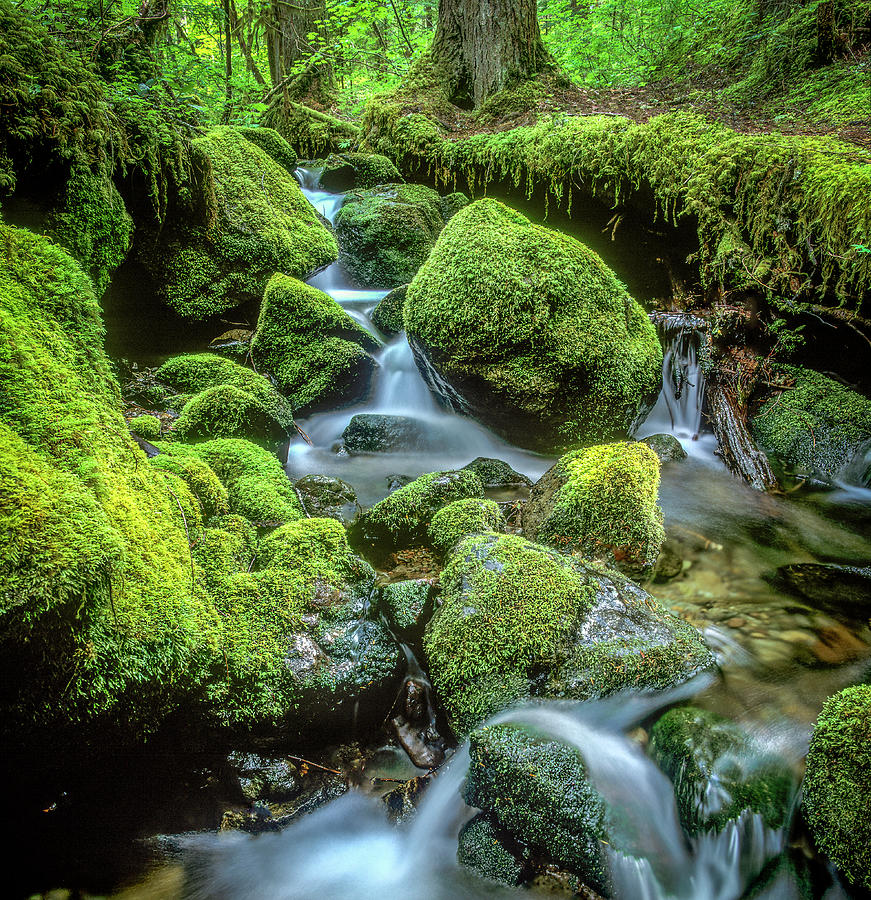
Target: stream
x,y
779,657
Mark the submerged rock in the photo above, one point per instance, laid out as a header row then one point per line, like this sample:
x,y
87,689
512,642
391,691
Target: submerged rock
x,y
666,447
315,351
842,590
719,771
346,171
387,232
387,315
837,785
373,433
816,427
520,620
327,497
601,502
534,335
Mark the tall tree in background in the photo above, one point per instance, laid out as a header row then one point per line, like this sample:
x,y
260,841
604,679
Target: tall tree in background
x,y
482,46
289,24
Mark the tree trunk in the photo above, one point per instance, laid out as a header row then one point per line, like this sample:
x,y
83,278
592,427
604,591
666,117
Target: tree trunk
x,y
287,35
228,62
482,46
826,32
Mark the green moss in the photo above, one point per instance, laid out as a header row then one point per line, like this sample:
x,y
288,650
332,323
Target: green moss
x,y
101,617
227,411
387,232
348,171
532,329
257,486
225,551
699,750
146,427
816,426
837,801
387,315
273,144
405,605
606,507
480,849
311,133
246,218
91,221
462,518
199,477
195,372
401,519
312,347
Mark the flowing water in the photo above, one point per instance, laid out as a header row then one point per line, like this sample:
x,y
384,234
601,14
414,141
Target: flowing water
x,y
779,657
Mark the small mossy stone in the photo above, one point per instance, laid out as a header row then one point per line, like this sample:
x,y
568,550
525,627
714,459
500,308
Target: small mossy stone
x,y
463,518
602,502
816,427
146,427
227,411
192,373
407,606
494,473
347,171
326,497
387,232
387,315
315,351
480,849
535,335
666,447
375,433
836,795
718,771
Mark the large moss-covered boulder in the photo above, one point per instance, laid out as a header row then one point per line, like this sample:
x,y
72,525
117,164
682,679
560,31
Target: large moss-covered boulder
x,y
535,335
601,502
227,411
243,219
101,619
401,519
273,144
195,372
718,771
315,351
301,649
520,620
346,171
837,785
257,486
816,426
387,232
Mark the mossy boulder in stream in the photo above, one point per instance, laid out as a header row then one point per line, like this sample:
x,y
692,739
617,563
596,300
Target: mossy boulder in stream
x,y
346,171
520,620
534,335
195,372
816,426
837,785
315,351
227,411
242,219
719,771
401,519
326,497
407,605
373,433
387,315
387,232
462,518
601,502
146,427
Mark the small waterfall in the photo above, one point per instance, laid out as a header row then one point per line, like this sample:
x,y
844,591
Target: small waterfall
x,y
324,202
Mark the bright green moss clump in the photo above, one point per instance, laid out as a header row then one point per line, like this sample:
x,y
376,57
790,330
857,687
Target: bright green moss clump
x,y
204,484
345,171
272,143
195,372
532,330
462,518
601,501
146,427
311,346
814,427
227,411
837,786
479,849
245,220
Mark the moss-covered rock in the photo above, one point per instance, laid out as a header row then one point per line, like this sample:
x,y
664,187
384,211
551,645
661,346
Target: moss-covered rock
x,y
244,219
387,315
328,498
227,411
837,785
146,427
257,486
494,473
401,519
533,332
814,427
203,483
718,771
102,620
315,351
194,372
407,606
347,171
461,519
601,502
386,233
480,849
225,549
666,447
518,619
273,144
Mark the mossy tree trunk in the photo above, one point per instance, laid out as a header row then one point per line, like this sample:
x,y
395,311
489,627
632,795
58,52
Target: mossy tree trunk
x,y
287,41
482,46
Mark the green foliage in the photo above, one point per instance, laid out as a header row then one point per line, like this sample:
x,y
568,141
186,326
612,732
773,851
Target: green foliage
x,y
462,518
836,801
